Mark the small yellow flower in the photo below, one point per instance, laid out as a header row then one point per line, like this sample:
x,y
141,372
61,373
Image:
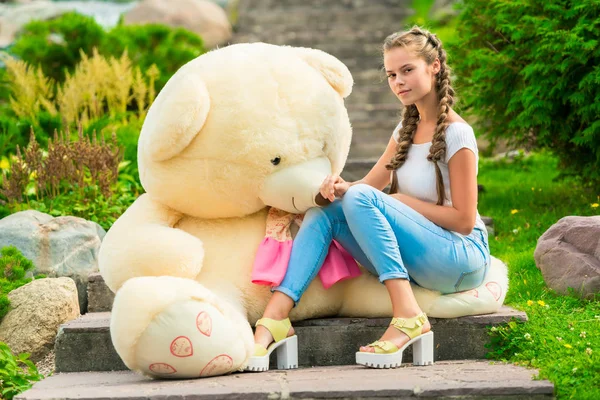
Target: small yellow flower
x,y
525,281
514,211
4,163
541,303
595,205
532,189
568,346
529,303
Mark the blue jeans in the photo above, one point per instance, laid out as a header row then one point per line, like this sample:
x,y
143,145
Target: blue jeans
x,y
389,239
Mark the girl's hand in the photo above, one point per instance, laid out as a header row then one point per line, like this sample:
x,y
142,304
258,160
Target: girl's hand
x,y
333,186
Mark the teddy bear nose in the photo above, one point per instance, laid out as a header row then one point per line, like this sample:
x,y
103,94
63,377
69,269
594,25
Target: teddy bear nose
x,y
321,201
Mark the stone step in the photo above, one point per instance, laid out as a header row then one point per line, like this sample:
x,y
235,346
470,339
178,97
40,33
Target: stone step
x,y
391,113
295,5
369,95
474,379
85,344
369,17
308,38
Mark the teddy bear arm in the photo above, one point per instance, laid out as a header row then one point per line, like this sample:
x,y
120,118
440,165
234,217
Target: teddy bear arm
x,y
144,242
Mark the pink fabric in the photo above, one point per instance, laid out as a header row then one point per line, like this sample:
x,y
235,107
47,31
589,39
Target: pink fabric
x,y
338,265
273,255
271,261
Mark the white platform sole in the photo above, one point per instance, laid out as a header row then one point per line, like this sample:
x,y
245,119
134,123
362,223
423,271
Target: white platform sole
x,y
287,356
422,354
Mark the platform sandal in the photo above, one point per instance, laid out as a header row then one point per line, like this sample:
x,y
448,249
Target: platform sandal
x,y
388,355
287,347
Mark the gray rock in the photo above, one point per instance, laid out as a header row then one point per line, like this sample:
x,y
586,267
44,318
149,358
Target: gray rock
x,y
203,17
568,254
37,310
63,246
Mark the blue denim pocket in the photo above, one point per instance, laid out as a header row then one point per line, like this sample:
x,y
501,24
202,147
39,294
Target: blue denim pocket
x,y
471,279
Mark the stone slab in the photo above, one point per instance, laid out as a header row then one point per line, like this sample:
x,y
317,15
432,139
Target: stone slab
x,y
455,379
85,344
100,297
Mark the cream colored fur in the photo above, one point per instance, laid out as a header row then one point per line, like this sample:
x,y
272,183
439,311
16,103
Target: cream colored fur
x,y
180,258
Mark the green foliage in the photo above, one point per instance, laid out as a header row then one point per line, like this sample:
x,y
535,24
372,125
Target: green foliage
x,y
524,199
85,178
147,45
55,45
529,71
13,267
17,373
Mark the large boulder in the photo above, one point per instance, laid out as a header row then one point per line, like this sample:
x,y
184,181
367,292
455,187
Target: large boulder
x,y
37,310
568,254
62,246
200,16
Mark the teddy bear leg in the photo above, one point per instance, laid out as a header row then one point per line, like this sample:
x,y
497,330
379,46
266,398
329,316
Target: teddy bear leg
x,y
176,328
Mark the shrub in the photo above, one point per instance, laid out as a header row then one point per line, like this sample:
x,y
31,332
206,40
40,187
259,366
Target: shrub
x,y
147,45
17,373
530,74
57,45
13,267
79,178
100,95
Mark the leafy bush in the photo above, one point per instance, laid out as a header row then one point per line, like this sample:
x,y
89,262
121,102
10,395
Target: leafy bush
x,y
147,45
56,45
100,95
13,267
530,72
84,178
17,373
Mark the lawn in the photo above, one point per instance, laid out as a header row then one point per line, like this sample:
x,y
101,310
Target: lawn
x,y
562,337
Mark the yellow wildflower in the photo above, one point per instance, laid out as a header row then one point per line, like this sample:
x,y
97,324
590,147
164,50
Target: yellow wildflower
x,y
568,346
513,212
595,205
529,302
4,163
541,303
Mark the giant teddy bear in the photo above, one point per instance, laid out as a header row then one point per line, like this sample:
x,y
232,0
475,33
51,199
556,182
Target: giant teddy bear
x,y
232,133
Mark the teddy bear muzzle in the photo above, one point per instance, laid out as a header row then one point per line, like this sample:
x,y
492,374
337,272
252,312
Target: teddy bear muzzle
x,y
295,189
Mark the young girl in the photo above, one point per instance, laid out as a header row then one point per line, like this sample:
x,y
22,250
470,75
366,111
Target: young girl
x,y
427,230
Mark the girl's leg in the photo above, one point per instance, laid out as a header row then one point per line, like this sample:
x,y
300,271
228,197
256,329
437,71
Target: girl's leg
x,y
319,227
400,243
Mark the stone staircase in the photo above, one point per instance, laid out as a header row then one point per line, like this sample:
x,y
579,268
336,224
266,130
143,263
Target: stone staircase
x,y
353,31
88,367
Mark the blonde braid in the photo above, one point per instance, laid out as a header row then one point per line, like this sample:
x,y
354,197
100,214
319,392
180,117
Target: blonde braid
x,y
445,94
410,118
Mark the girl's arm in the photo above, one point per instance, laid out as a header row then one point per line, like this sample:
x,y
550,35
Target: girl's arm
x,y
460,217
378,176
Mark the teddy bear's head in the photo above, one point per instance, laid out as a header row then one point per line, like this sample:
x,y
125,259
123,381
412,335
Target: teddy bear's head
x,y
244,127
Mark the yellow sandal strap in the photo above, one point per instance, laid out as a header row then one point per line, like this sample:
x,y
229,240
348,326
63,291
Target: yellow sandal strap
x,y
383,347
279,329
410,326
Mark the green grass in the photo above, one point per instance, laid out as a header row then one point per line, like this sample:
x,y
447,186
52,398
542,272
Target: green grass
x,y
562,336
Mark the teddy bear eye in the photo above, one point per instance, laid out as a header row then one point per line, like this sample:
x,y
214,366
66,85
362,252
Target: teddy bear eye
x,y
276,160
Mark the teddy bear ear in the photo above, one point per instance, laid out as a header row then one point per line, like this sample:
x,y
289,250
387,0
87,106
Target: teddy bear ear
x,y
175,118
334,71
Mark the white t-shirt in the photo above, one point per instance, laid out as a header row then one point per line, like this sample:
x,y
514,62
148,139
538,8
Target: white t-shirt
x,y
416,177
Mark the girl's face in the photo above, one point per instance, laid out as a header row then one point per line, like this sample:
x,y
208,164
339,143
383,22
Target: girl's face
x,y
409,76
